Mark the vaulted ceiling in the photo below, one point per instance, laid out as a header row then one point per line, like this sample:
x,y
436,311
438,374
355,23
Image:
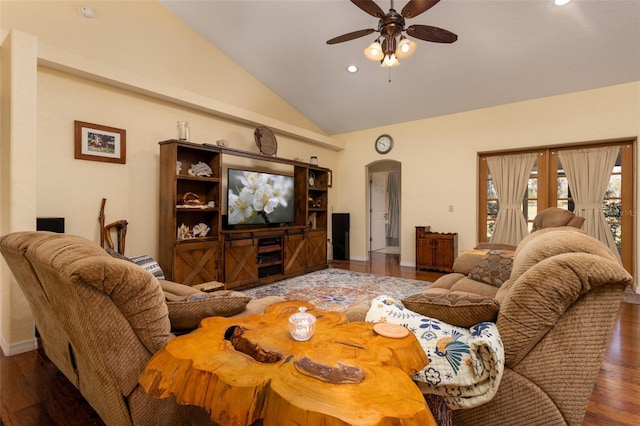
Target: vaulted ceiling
x,y
507,51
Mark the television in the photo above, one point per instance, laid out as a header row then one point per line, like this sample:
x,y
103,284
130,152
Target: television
x,y
259,198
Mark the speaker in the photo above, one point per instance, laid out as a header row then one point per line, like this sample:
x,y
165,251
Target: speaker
x,y
53,224
340,235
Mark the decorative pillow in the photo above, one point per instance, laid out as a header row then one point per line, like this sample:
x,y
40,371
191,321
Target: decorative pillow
x,y
187,314
462,310
494,268
149,264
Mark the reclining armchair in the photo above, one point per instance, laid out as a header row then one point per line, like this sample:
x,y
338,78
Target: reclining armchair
x,y
556,311
100,320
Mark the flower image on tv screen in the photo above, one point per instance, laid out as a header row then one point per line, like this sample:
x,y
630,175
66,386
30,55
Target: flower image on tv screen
x,y
259,198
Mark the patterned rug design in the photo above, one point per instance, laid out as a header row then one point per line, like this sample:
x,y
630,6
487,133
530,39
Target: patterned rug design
x,y
337,289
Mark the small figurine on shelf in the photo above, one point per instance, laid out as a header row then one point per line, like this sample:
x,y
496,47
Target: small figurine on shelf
x,y
201,170
313,221
200,230
184,233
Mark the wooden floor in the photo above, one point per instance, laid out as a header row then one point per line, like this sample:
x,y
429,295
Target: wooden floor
x,y
34,393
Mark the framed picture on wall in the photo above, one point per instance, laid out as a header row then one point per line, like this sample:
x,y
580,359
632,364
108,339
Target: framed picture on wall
x,y
100,143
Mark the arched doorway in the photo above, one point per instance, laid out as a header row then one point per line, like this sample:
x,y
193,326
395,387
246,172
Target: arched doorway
x,y
384,207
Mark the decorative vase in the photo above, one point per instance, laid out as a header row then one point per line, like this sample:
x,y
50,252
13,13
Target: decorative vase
x,y
183,130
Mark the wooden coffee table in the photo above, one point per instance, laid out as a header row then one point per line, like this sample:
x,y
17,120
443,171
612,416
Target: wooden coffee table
x,y
346,373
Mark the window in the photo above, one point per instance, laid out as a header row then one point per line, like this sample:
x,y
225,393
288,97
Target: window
x,y
548,187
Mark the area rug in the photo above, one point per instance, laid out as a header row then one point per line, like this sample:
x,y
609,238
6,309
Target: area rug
x,y
337,289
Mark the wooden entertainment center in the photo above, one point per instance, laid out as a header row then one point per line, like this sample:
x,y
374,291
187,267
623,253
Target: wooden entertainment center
x,y
246,256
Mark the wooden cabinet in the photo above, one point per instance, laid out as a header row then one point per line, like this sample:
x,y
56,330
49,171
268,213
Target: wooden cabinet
x,y
197,262
189,201
240,266
316,250
435,251
295,254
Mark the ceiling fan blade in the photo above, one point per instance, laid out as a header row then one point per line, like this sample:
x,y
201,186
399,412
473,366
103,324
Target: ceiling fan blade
x,y
429,33
416,7
350,36
370,7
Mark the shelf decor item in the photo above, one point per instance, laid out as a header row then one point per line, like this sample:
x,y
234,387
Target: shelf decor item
x,y
184,233
200,169
191,199
100,143
183,130
200,230
266,141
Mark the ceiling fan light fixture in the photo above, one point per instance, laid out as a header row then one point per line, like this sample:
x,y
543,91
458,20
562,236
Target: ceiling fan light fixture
x,y
390,61
374,51
405,48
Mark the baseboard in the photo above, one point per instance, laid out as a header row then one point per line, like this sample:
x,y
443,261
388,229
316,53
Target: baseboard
x,y
409,264
358,258
17,348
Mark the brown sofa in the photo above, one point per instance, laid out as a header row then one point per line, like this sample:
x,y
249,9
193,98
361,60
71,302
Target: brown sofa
x,y
557,310
100,320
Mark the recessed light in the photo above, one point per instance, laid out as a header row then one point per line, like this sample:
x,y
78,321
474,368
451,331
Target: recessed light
x,y
352,68
561,2
87,12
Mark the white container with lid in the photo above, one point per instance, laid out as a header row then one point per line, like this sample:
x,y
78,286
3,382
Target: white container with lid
x,y
302,325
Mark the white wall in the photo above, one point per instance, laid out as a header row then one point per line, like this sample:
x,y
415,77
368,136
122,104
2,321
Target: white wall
x,y
439,157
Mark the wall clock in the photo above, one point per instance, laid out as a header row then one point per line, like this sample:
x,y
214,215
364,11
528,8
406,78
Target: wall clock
x,y
383,144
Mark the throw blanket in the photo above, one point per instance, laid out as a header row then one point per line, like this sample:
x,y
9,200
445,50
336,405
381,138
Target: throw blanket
x,y
465,365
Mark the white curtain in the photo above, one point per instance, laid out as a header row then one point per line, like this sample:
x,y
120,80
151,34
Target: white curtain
x,y
510,175
588,172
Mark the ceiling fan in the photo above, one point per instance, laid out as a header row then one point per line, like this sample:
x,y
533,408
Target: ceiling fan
x,y
391,25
